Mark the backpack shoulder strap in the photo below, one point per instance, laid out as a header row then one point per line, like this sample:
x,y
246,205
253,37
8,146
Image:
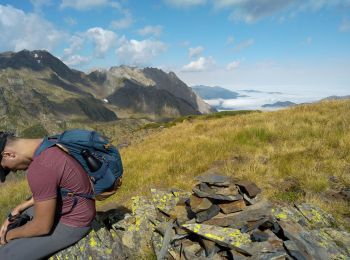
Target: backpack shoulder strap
x,y
46,143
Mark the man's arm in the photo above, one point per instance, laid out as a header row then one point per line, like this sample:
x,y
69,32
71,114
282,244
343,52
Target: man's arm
x,y
44,215
23,206
17,210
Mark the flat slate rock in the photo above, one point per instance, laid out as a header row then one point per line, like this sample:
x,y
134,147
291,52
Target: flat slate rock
x,y
209,246
249,188
207,214
198,204
203,194
223,220
214,179
230,207
180,213
227,237
316,216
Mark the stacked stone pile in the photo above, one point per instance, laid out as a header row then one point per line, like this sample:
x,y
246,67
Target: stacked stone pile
x,y
220,219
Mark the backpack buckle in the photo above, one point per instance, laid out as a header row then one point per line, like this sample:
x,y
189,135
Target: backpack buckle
x,y
70,194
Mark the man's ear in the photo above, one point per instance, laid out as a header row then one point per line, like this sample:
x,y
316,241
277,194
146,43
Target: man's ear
x,y
8,154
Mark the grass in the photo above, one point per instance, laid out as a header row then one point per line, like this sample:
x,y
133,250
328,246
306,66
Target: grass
x,y
291,154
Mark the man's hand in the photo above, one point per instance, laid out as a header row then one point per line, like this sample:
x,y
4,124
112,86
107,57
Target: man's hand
x,y
3,231
41,224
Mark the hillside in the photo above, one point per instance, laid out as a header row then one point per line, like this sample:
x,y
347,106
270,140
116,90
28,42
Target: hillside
x,y
38,91
304,151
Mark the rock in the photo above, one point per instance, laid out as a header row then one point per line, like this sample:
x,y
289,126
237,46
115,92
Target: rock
x,y
203,194
209,246
180,213
315,216
250,201
214,178
255,231
180,231
164,200
223,220
199,204
259,236
246,220
232,254
231,190
227,237
190,249
248,188
274,256
231,207
207,214
341,238
253,224
295,252
169,233
284,213
157,243
312,244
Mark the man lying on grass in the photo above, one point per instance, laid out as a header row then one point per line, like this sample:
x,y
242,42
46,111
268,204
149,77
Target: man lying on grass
x,y
54,222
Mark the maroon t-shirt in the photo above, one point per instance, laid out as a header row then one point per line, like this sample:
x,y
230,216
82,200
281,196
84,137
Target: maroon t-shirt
x,y
54,168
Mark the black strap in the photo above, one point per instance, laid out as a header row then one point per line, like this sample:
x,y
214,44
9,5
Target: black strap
x,y
68,193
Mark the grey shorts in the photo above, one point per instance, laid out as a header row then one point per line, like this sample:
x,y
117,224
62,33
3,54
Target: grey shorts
x,y
42,247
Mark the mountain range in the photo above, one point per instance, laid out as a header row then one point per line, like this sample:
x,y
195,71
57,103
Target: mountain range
x,y
37,86
216,92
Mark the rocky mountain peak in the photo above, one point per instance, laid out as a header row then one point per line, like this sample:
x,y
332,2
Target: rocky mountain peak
x,y
38,60
131,73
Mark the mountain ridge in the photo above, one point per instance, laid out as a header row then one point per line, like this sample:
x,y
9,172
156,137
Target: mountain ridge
x,y
38,87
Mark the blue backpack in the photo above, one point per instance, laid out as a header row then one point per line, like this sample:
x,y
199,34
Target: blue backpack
x,y
106,180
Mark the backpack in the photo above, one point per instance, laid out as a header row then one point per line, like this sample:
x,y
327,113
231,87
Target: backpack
x,y
107,179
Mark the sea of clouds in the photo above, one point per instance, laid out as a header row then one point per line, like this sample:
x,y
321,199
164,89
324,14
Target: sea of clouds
x,y
254,100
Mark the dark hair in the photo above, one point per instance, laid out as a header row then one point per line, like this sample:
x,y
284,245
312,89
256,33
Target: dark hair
x,y
8,135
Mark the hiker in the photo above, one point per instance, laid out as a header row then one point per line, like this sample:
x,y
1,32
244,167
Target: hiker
x,y
56,221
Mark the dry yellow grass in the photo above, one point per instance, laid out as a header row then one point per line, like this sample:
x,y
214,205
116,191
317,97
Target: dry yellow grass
x,y
291,154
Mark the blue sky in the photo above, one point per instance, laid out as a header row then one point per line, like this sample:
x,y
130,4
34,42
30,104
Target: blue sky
x,y
289,45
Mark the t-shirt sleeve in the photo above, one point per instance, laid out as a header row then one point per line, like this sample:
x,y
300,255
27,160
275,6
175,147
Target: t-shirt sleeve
x,y
42,181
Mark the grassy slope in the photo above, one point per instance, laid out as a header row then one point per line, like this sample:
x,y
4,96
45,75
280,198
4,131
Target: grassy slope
x,y
291,154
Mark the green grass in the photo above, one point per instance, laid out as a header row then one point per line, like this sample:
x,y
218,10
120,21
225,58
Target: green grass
x,y
173,122
291,154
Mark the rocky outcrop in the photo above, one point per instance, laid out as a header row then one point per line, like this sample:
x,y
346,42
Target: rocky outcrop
x,y
221,219
40,60
171,83
150,100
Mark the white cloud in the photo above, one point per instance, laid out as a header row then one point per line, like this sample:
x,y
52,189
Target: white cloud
x,y
250,11
151,30
76,44
185,3
139,53
195,52
345,25
218,4
123,23
244,44
20,30
40,3
202,64
76,60
233,65
103,40
84,4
